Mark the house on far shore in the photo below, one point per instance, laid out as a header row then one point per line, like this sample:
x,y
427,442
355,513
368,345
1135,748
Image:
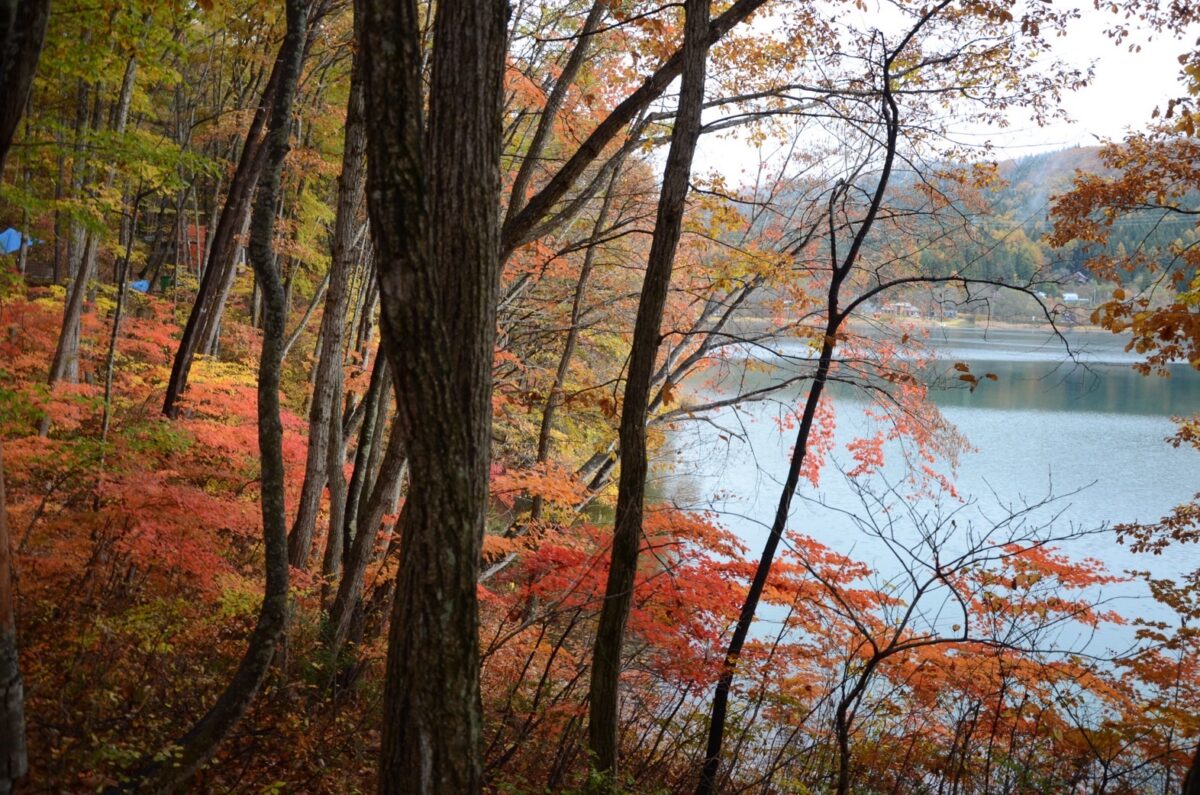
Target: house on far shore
x,y
902,308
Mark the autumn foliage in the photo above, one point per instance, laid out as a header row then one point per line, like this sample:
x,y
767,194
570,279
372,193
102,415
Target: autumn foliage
x,y
138,583
958,659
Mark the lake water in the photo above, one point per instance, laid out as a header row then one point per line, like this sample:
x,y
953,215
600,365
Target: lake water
x,y
1092,431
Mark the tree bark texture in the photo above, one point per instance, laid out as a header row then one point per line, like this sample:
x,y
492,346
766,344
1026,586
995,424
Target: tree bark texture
x,y
433,193
327,393
14,760
335,463
372,410
22,31
604,702
382,497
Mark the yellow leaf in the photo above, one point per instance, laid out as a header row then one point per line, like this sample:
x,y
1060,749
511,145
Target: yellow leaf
x,y
668,393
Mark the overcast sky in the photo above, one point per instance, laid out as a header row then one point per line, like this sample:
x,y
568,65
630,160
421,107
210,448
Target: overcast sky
x,y
1127,87
1125,90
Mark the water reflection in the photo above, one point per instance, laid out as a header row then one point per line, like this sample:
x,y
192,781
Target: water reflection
x,y
1032,371
1096,388
1093,430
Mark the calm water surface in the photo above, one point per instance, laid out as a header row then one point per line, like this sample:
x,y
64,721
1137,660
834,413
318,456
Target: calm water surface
x,y
1091,433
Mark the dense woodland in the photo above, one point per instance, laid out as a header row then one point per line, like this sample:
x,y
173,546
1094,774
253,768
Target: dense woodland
x,y
345,337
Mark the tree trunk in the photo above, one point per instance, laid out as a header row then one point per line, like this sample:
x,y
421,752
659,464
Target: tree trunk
x,y
517,230
220,271
199,744
627,533
1191,781
14,761
383,496
378,391
22,30
210,330
60,226
65,365
708,778
331,561
111,359
294,337
835,316
79,169
434,195
550,112
221,266
554,399
327,393
364,326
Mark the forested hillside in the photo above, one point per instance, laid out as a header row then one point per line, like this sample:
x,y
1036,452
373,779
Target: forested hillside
x,y
1011,238
343,346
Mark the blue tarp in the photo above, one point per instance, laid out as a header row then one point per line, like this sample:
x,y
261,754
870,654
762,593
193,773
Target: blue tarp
x,y
142,285
10,241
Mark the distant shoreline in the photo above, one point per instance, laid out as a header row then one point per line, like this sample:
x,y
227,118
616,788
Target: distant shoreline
x,y
927,323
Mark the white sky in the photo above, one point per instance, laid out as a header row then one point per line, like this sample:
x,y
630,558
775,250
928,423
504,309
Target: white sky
x,y
1125,90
